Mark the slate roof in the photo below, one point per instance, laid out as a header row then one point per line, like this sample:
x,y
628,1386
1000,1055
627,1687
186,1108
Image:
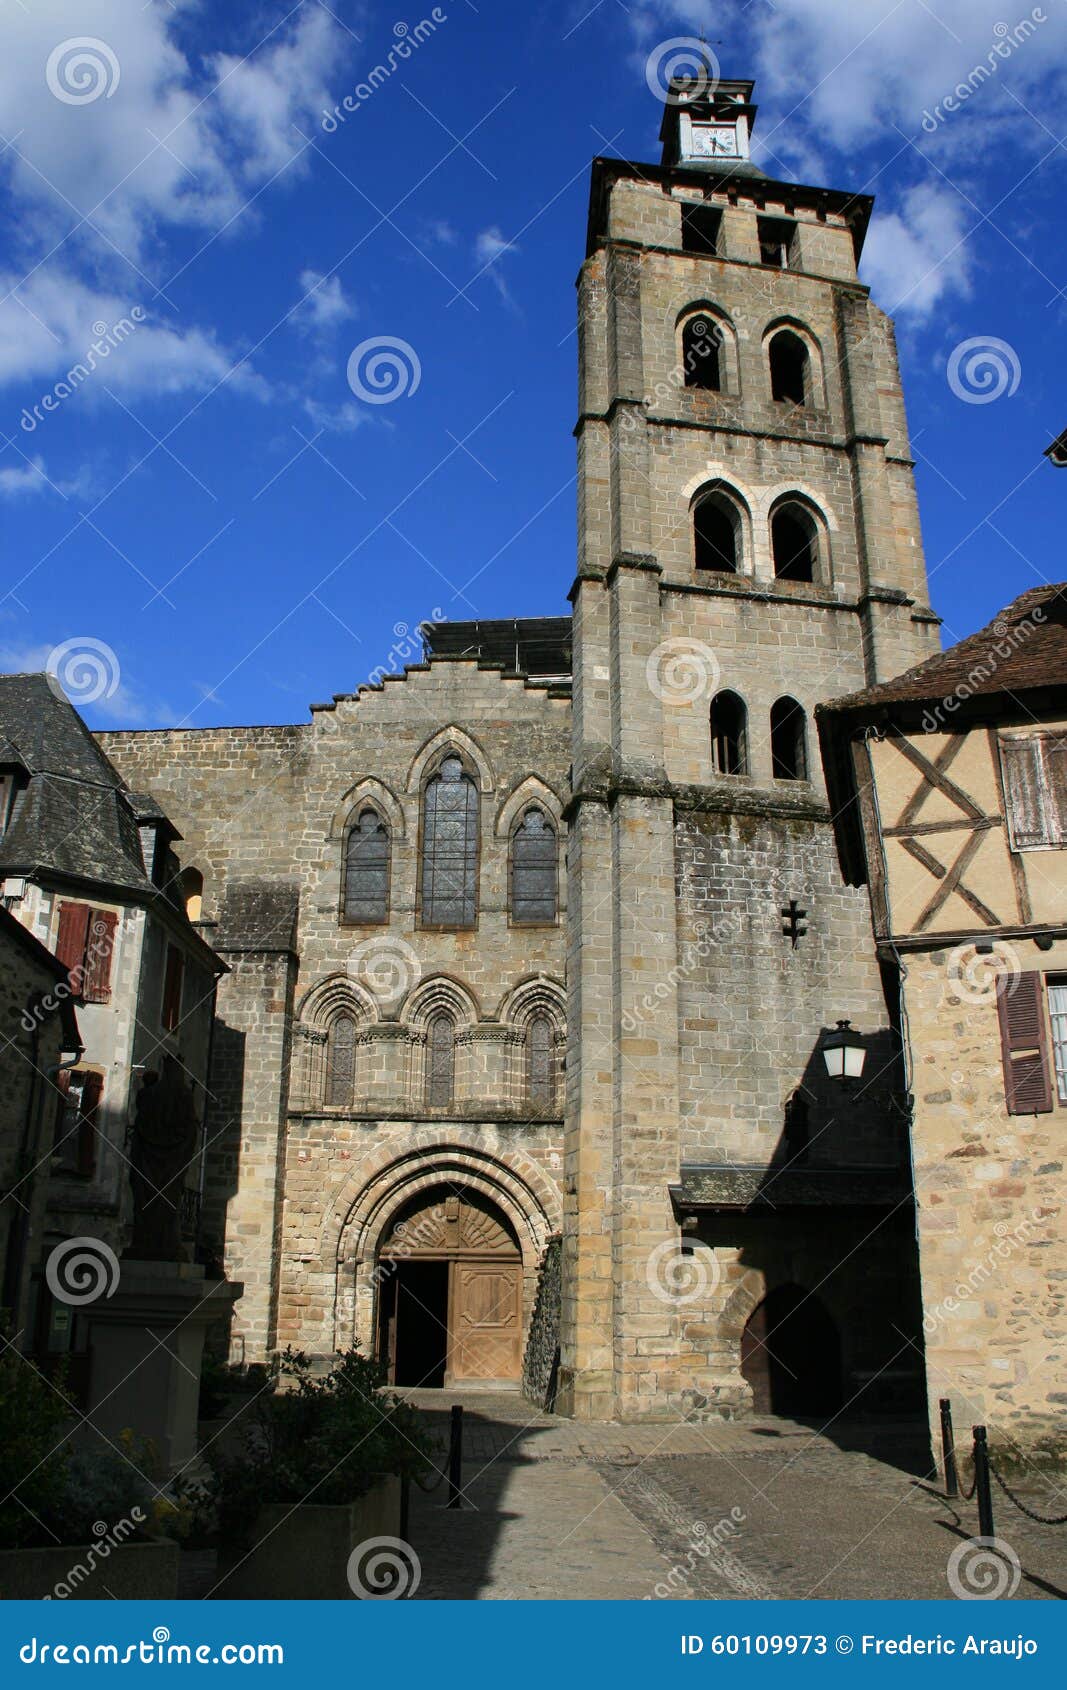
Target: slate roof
x,y
74,818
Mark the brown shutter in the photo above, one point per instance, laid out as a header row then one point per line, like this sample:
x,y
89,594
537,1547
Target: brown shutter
x,y
1024,1044
99,951
92,1087
1056,771
171,1012
1021,760
71,940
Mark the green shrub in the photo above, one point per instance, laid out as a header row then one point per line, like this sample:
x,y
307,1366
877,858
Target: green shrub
x,y
34,1417
319,1440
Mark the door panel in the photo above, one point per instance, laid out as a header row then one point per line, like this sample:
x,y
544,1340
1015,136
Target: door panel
x,y
486,1321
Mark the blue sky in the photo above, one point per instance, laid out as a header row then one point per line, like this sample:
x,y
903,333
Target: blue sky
x,y
217,507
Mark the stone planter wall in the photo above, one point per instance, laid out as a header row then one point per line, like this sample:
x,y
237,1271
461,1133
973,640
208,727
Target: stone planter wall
x,y
301,1550
90,1572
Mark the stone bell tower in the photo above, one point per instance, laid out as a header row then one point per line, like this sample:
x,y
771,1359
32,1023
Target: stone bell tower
x,y
749,545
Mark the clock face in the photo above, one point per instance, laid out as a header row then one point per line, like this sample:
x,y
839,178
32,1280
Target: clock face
x,y
714,140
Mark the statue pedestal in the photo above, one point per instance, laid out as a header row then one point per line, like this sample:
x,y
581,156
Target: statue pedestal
x,y
146,1343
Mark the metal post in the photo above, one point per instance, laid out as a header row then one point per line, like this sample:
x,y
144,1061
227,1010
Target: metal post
x,y
948,1449
455,1456
405,1504
981,1484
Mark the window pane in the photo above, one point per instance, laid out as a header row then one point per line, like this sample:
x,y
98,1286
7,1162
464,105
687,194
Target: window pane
x,y
367,870
540,1062
440,1062
1057,1008
341,1063
534,870
450,848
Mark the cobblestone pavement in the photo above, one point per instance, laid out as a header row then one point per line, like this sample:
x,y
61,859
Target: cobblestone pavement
x,y
761,1508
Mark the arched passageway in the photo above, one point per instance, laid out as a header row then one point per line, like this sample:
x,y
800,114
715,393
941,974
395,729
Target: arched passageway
x,y
791,1355
450,1292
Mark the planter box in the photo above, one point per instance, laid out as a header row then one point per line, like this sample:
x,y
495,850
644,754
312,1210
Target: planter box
x,y
90,1572
302,1549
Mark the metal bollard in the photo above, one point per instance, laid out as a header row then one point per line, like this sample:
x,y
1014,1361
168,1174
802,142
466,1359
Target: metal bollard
x,y
948,1449
455,1456
981,1483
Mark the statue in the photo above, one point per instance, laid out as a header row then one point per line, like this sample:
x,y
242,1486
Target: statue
x,y
164,1141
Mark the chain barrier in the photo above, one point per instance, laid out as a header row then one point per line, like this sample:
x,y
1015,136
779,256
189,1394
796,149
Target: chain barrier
x,y
1042,1519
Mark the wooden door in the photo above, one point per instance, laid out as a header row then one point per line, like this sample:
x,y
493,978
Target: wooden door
x,y
485,1321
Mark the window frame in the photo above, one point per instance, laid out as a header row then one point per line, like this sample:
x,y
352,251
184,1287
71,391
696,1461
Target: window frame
x,y
439,1017
550,1102
743,772
796,720
1057,1038
351,826
329,1100
516,829
434,774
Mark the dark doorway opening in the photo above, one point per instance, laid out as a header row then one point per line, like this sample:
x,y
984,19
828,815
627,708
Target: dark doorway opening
x,y
791,1355
414,1303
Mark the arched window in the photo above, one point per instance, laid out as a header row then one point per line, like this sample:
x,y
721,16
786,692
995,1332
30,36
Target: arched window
x,y
729,734
789,757
790,374
716,534
534,873
341,1062
702,354
440,1061
794,543
541,1062
192,892
367,869
450,848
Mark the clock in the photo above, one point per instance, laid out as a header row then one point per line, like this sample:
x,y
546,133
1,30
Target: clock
x,y
714,140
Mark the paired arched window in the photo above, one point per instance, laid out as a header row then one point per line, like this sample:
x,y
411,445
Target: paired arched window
x,y
717,534
541,1062
794,543
450,848
534,871
702,354
789,754
790,368
440,1061
729,734
341,1062
366,894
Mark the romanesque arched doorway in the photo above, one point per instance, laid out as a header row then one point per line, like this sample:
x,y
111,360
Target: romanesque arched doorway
x,y
450,1292
791,1355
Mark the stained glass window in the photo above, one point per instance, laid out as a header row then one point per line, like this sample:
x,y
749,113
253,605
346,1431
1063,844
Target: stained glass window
x,y
440,1061
450,848
341,1062
534,871
367,869
540,1062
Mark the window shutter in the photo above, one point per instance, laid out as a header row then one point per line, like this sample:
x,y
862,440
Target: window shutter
x,y
1021,761
86,1142
99,951
171,1013
71,941
1056,773
1024,1044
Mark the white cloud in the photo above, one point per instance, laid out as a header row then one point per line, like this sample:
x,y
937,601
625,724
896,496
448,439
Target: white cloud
x,y
179,140
489,247
325,303
57,328
18,480
915,257
127,706
336,419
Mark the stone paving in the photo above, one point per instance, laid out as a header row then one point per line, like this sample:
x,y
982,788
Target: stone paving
x,y
761,1508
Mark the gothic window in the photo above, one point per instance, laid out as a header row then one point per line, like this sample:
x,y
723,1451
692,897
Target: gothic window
x,y
440,1062
341,1062
702,354
367,869
789,368
534,872
788,750
540,1062
450,848
729,735
716,534
794,543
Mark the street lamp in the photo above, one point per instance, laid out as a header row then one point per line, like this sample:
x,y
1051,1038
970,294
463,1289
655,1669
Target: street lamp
x,y
844,1054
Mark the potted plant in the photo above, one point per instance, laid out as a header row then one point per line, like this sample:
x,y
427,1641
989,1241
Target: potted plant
x,y
318,1474
78,1523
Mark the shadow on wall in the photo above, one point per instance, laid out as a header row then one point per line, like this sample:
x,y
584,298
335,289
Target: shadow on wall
x,y
222,1166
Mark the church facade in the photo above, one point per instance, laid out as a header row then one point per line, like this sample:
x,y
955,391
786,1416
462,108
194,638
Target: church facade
x,y
533,949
